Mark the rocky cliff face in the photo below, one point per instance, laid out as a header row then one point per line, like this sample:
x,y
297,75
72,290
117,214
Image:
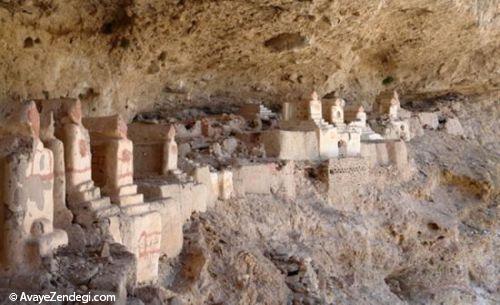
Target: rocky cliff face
x,y
133,55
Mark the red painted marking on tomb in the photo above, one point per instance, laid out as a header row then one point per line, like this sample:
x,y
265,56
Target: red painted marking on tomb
x,y
48,176
126,156
84,148
45,177
83,170
149,243
129,174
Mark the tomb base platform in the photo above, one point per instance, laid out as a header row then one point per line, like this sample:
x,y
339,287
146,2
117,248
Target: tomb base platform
x,y
171,222
95,212
264,178
191,196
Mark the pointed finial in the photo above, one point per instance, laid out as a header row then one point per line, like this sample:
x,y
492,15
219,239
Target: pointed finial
x,y
314,96
121,127
50,124
171,133
47,126
395,98
75,112
396,95
33,118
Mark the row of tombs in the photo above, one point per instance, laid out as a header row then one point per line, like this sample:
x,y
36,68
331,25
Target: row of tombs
x,y
68,179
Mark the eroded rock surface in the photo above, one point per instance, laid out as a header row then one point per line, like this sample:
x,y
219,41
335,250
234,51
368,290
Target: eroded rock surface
x,y
128,55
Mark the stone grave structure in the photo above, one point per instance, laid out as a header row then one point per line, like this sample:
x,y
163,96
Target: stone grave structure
x,y
252,111
62,215
360,121
156,173
112,159
385,152
391,125
91,210
264,178
305,134
334,112
26,192
148,229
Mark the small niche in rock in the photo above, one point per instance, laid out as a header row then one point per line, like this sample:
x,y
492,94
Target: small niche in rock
x,y
293,272
433,226
120,21
148,117
162,56
398,285
388,80
107,28
28,42
286,41
190,125
88,94
441,121
329,95
312,173
275,107
124,43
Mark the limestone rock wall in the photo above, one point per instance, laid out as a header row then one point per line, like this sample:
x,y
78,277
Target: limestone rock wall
x,y
132,55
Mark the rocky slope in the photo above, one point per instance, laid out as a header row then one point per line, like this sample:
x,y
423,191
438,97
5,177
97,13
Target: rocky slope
x,y
429,236
130,55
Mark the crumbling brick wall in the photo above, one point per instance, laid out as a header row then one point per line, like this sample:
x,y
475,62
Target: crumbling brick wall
x,y
346,175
